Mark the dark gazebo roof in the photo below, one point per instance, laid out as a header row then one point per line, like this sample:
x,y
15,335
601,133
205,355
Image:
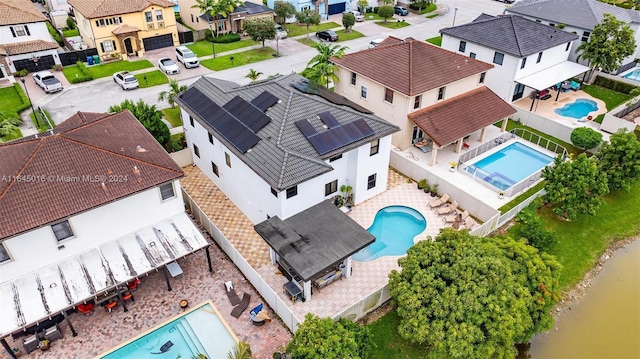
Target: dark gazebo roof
x,y
314,239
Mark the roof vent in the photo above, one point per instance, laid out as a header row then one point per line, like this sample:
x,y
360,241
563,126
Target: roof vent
x,y
104,186
136,171
140,149
457,67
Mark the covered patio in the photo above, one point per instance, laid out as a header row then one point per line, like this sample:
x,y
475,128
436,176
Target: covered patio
x,y
549,78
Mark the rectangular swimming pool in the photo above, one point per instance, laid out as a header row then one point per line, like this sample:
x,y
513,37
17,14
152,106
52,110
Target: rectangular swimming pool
x,y
510,165
199,331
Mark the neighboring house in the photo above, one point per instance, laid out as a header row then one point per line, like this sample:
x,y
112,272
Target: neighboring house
x,y
83,210
121,28
25,42
232,23
59,10
578,17
526,55
278,147
433,95
322,7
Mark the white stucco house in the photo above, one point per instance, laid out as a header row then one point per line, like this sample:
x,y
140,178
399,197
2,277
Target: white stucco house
x,y
527,56
84,209
280,146
25,42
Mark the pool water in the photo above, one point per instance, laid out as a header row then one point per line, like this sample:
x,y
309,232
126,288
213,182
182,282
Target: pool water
x,y
633,75
190,334
510,165
577,109
394,228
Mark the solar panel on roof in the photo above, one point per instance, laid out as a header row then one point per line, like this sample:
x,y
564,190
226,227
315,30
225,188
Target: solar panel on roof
x,y
264,101
306,128
336,137
246,113
328,119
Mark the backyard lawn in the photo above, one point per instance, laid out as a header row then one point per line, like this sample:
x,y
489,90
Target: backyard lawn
x,y
173,116
435,40
239,59
106,69
70,33
153,78
388,342
13,99
611,98
297,30
573,150
204,48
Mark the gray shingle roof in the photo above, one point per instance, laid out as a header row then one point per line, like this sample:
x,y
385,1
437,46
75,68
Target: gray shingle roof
x,y
284,157
584,14
513,35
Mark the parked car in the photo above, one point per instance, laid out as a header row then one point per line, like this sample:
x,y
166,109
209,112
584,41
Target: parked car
x,y
126,80
327,35
47,81
187,57
168,66
375,43
507,1
280,32
358,15
399,10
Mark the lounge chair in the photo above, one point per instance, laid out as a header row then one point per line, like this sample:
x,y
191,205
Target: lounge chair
x,y
53,333
439,201
231,293
448,208
460,217
244,303
469,223
31,343
575,86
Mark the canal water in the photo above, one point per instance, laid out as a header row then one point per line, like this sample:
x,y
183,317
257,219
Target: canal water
x,y
605,322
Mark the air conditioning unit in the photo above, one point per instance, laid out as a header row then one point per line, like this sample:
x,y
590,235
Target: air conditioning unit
x,y
160,24
150,26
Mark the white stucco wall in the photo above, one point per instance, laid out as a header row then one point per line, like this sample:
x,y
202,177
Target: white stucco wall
x,y
37,31
39,247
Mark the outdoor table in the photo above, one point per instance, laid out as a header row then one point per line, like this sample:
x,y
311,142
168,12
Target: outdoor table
x,y
293,290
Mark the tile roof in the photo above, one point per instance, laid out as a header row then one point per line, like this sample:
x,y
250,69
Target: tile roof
x,y
416,67
28,47
584,14
512,34
43,176
284,157
455,118
19,12
92,9
125,29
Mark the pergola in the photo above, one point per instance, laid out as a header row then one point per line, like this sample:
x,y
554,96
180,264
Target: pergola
x,y
551,76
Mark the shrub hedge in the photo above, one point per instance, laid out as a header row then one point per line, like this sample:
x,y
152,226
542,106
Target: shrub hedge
x,y
614,85
84,74
226,38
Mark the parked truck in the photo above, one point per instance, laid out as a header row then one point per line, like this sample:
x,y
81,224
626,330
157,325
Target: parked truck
x,y
47,81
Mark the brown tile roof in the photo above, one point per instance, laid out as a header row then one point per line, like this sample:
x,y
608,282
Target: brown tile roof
x,y
457,117
19,12
28,47
33,191
412,67
125,29
92,9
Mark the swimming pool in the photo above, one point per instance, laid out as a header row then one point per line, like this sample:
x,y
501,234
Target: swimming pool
x,y
509,165
577,109
394,228
184,336
633,75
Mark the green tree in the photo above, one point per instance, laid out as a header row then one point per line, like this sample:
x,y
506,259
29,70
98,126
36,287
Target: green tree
x,y
388,2
253,75
611,41
386,12
174,90
575,187
363,5
348,20
327,339
9,125
283,10
466,297
216,9
620,160
530,227
586,138
319,68
148,116
242,350
70,23
308,17
260,29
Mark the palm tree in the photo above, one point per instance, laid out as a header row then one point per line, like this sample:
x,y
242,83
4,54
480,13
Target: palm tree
x,y
242,350
216,9
326,52
323,73
9,125
253,75
321,70
174,90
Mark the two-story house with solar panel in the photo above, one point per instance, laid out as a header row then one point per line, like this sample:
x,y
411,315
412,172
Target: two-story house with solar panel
x,y
280,146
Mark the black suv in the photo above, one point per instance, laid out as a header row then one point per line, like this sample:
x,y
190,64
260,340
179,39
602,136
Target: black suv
x,y
328,35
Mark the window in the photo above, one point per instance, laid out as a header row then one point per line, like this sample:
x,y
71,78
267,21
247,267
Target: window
x,y
417,101
159,15
585,36
227,159
19,30
482,76
523,63
192,18
335,158
166,191
375,147
4,256
417,133
191,121
196,151
371,181
441,93
472,55
108,46
305,8
353,78
210,138
292,191
363,92
274,192
568,45
214,167
221,26
388,95
462,46
331,187
100,23
498,58
539,57
62,230
148,16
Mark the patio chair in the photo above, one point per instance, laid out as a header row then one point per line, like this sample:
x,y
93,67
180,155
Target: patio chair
x,y
469,223
53,333
30,343
231,293
439,201
244,303
258,316
460,217
575,86
447,209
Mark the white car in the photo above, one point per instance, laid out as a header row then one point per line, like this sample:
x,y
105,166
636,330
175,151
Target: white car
x,y
126,80
375,43
358,15
168,66
280,32
187,57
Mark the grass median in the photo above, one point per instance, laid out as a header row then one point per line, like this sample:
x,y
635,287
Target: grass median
x,y
239,59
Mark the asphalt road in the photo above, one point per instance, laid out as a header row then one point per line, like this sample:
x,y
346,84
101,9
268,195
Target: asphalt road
x,y
99,95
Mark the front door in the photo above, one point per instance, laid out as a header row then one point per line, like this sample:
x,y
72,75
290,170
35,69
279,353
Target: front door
x,y
517,93
128,46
